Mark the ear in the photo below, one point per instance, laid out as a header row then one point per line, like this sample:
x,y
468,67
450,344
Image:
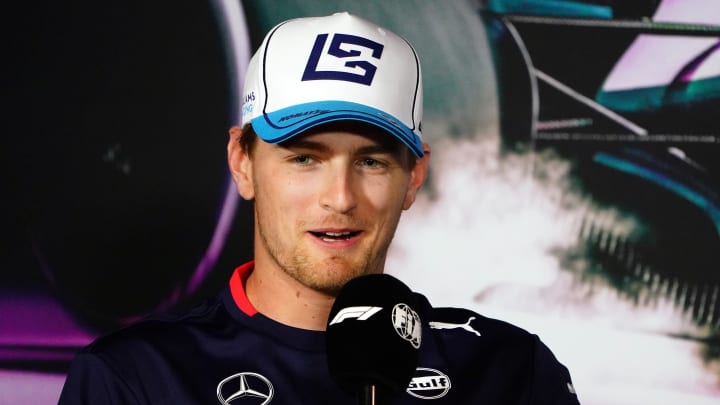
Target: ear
x,y
240,165
417,177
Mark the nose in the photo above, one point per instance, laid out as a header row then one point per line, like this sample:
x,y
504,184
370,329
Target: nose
x,y
338,194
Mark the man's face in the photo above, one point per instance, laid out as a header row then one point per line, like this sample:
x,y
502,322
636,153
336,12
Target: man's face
x,y
327,203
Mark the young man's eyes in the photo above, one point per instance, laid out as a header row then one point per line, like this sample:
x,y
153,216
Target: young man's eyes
x,y
364,162
302,160
372,163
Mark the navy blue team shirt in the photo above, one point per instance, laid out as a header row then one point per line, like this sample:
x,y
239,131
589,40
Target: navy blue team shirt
x,y
225,352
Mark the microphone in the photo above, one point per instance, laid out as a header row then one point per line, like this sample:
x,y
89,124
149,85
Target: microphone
x,y
373,336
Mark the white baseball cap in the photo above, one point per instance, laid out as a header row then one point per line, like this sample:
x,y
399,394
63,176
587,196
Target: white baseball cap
x,y
310,71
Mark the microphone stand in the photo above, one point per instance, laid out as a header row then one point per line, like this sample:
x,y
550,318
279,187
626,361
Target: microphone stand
x,y
368,395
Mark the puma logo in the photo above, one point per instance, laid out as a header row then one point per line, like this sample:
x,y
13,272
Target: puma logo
x,y
446,325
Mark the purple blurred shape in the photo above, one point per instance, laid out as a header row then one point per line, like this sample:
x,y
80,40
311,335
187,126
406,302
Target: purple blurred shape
x,y
35,327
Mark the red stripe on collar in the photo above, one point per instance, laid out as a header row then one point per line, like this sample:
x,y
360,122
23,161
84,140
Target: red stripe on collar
x,y
237,288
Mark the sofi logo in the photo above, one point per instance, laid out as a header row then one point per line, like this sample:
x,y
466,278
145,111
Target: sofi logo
x,y
348,58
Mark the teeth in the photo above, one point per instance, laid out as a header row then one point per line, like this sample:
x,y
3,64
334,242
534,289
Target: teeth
x,y
334,236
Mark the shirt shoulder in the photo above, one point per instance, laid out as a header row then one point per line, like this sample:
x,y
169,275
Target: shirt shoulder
x,y
467,324
502,361
161,328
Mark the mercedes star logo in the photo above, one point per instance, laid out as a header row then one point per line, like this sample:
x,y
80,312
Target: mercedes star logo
x,y
245,385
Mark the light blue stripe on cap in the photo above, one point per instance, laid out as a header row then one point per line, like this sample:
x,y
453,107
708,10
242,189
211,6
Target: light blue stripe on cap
x,y
286,123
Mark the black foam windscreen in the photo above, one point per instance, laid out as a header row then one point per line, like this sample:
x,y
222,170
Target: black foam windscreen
x,y
373,334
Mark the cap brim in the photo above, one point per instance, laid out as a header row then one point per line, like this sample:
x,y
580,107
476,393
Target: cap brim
x,y
281,125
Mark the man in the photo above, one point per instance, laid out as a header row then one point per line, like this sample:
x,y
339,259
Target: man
x,y
330,151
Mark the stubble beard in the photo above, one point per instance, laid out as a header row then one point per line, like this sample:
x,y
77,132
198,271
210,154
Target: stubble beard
x,y
328,275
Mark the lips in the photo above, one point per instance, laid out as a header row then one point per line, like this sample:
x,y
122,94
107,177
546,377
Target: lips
x,y
334,236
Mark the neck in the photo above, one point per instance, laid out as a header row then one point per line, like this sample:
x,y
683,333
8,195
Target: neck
x,y
281,298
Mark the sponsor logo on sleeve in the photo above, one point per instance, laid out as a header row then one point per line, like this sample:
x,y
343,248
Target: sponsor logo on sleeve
x,y
447,325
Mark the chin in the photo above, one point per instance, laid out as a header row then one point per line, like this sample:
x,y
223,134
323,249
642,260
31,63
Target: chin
x,y
334,273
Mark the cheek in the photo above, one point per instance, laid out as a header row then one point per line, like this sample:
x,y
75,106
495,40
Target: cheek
x,y
386,194
281,193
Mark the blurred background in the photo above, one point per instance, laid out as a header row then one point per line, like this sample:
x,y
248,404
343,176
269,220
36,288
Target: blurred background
x,y
574,189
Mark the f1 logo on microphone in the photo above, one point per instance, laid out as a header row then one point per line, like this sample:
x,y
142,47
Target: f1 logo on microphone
x,y
359,313
343,60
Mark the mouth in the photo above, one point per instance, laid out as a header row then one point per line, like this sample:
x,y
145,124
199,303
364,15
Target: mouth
x,y
335,236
